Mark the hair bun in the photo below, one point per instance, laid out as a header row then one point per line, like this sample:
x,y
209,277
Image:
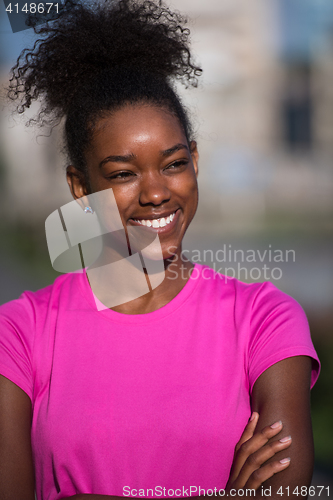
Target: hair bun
x,y
87,40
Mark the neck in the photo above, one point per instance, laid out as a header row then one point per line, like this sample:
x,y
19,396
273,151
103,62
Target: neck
x,y
177,271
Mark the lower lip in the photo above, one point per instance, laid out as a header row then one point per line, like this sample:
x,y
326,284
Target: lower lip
x,y
159,230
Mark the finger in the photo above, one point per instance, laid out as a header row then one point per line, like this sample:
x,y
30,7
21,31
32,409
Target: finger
x,y
249,430
257,459
247,434
261,475
258,440
250,446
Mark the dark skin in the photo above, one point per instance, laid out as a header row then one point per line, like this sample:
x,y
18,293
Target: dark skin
x,y
148,184
159,178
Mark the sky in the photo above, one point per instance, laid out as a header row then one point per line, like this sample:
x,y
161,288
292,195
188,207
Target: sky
x,y
11,43
305,27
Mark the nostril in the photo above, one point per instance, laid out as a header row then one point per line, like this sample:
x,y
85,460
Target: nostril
x,y
155,195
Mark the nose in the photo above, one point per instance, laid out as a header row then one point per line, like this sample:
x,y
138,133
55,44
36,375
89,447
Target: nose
x,y
153,190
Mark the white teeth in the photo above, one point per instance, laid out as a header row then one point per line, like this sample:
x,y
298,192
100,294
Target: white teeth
x,y
164,221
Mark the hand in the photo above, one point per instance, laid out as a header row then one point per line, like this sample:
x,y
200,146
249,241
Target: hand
x,y
251,453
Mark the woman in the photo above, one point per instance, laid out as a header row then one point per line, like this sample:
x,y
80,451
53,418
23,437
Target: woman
x,y
153,396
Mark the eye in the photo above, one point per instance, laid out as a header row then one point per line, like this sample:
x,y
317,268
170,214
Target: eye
x,y
177,165
120,175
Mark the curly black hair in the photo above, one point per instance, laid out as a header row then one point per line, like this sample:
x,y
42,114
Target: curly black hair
x,y
96,58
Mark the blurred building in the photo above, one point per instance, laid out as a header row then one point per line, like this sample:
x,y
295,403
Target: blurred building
x,y
34,179
265,107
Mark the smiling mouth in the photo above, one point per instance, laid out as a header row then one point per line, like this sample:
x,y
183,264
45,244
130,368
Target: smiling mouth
x,y
156,223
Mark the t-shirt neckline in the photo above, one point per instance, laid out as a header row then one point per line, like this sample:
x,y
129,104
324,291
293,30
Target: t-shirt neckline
x,y
162,312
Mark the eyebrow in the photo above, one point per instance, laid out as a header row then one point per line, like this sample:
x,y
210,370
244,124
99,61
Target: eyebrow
x,y
170,151
118,159
131,156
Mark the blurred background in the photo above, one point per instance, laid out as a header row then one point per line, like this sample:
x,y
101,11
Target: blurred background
x,y
263,116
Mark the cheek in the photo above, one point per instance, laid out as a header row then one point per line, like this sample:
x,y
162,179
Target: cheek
x,y
97,183
188,189
125,197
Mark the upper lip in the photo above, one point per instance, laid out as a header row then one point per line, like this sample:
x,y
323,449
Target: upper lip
x,y
155,215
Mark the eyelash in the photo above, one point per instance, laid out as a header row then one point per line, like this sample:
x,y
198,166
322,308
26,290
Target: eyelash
x,y
178,163
123,175
120,175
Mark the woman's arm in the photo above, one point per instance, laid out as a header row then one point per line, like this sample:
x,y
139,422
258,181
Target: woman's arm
x,y
282,392
16,467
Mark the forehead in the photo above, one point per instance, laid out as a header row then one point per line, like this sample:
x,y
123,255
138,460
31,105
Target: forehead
x,y
136,126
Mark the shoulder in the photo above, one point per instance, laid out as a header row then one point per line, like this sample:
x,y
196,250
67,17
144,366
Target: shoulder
x,y
21,322
251,296
30,304
24,316
272,324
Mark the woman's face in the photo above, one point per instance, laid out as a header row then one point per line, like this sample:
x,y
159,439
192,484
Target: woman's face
x,y
142,153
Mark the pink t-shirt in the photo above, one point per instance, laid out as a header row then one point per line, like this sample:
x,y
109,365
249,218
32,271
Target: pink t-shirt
x,y
144,402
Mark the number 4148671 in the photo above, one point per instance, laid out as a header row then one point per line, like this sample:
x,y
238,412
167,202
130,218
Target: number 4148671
x,y
33,8
304,491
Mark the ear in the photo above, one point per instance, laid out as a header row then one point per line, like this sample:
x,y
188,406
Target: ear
x,y
195,156
77,183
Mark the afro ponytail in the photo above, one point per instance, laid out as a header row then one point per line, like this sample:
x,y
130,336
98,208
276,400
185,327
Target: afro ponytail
x,y
96,57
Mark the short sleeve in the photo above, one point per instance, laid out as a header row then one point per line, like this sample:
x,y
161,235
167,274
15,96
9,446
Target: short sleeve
x,y
16,343
279,330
